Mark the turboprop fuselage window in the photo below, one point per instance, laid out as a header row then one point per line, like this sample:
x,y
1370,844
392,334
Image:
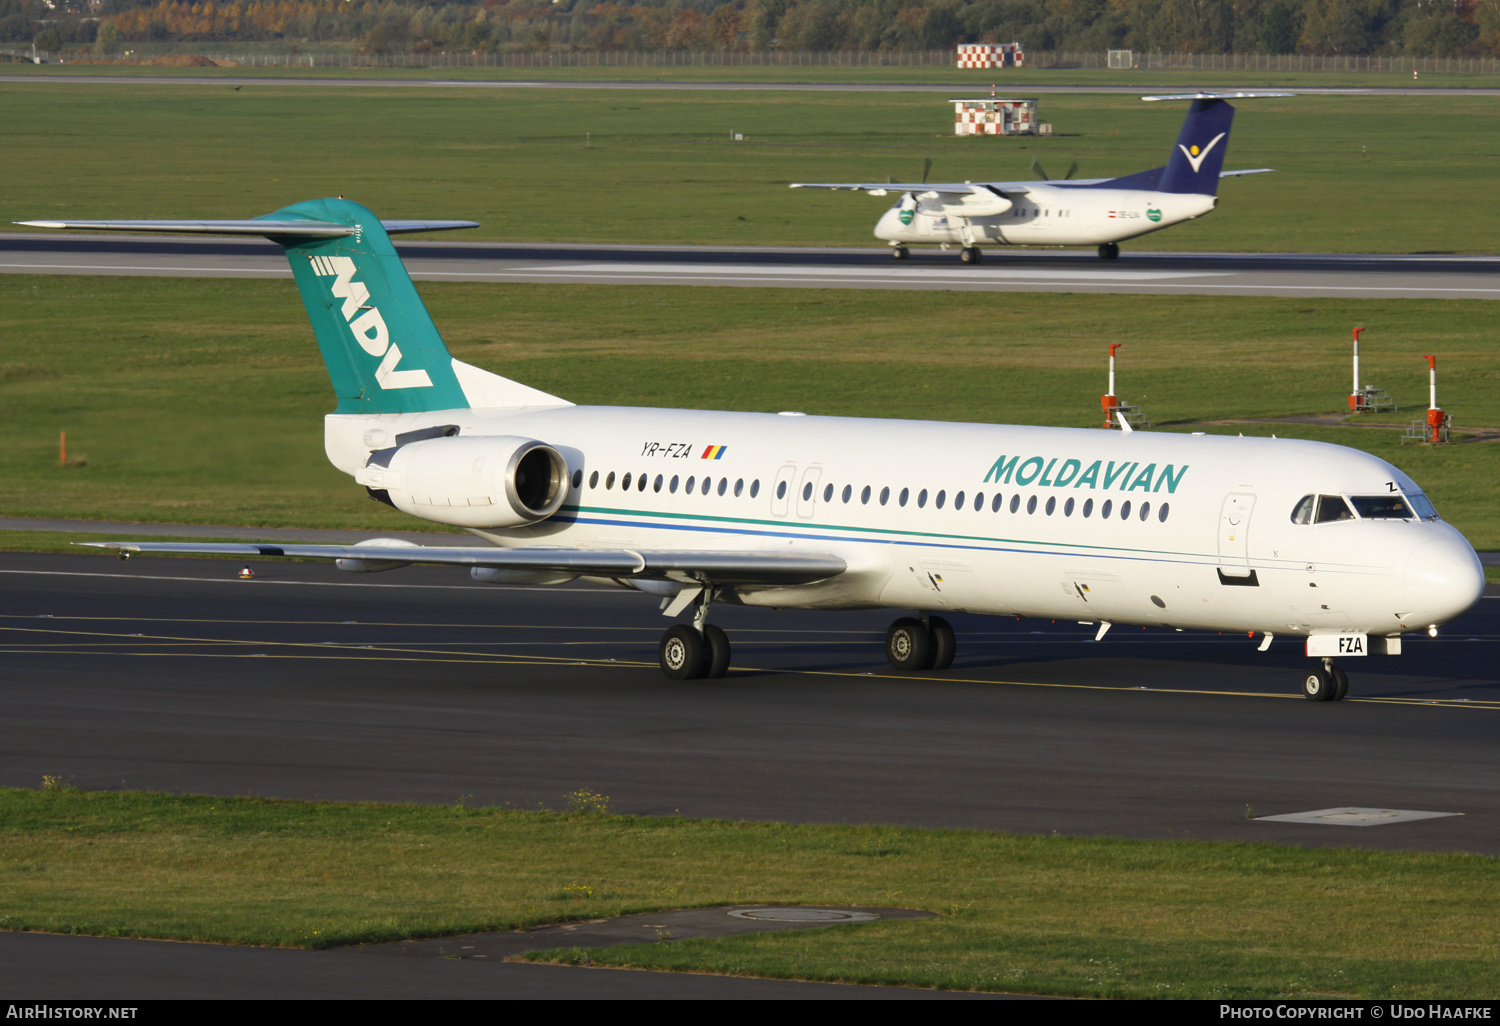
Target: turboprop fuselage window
x,y
640,485
922,498
594,479
885,496
864,496
847,494
1109,504
1051,504
656,487
1331,508
609,482
739,486
1381,507
1088,508
905,494
1304,511
995,502
754,488
724,485
1031,504
1161,514
1015,503
577,479
1125,510
672,487
828,493
781,490
624,483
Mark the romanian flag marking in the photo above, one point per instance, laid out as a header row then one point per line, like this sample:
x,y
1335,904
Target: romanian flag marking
x,y
714,452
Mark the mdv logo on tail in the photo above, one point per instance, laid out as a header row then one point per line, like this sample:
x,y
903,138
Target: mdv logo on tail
x,y
368,327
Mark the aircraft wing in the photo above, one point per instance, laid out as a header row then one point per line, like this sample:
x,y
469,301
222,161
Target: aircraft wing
x,y
1251,171
942,188
744,568
257,226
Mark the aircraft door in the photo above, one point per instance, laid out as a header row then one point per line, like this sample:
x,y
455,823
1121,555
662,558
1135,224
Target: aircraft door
x,y
1234,535
807,491
781,489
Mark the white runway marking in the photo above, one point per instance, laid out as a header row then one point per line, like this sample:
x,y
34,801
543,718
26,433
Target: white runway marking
x,y
916,273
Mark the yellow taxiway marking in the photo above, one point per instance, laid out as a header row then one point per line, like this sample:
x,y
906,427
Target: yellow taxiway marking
x,y
398,653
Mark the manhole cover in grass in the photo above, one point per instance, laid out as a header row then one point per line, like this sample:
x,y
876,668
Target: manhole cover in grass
x,y
804,915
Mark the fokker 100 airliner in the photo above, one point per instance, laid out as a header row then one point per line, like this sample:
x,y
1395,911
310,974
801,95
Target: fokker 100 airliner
x,y
1099,212
1324,544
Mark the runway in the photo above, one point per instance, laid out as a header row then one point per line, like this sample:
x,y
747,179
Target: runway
x,y
381,78
1004,270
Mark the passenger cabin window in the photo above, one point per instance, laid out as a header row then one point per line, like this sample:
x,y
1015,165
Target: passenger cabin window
x,y
1331,508
1381,507
1304,511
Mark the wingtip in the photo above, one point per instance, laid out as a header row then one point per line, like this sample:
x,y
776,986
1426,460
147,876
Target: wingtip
x,y
42,224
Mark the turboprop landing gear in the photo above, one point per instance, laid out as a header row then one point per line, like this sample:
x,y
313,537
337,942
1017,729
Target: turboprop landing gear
x,y
912,644
901,253
696,650
1109,251
971,255
1327,683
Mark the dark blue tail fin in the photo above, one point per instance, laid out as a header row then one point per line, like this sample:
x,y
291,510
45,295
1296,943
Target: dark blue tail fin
x,y
1198,157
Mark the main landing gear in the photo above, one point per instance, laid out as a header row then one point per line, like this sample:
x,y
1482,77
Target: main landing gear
x,y
1327,683
901,253
971,255
697,650
1109,251
925,644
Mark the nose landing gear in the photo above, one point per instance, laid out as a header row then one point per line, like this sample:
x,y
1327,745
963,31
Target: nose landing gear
x,y
1326,683
925,644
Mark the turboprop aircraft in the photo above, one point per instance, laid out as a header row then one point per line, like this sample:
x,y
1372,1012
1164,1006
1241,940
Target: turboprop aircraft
x,y
1323,544
1099,212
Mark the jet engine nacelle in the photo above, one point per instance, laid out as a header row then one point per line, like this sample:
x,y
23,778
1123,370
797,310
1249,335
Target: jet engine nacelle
x,y
493,481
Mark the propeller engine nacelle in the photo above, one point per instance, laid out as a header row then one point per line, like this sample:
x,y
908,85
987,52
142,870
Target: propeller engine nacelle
x,y
493,481
982,202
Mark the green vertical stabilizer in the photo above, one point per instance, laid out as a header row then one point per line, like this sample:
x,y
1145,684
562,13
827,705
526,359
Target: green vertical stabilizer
x,y
382,350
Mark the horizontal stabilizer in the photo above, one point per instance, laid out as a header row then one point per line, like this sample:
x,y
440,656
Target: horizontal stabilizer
x,y
1249,171
744,568
1217,96
303,229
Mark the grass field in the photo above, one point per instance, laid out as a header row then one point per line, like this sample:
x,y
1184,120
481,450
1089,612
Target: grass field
x,y
1044,915
201,400
1403,174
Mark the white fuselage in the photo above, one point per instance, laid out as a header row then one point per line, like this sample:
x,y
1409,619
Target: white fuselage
x,y
1047,215
1190,531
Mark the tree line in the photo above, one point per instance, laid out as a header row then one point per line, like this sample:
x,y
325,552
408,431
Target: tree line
x,y
1425,28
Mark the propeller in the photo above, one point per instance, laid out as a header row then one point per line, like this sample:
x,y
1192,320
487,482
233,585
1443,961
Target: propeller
x,y
1036,166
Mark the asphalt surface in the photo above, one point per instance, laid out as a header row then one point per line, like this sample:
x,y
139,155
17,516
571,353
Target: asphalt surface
x,y
419,685
1004,270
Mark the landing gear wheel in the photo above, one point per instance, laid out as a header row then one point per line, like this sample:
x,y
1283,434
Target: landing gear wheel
x,y
944,643
1340,684
716,658
1318,686
682,653
908,645
970,255
1109,251
901,253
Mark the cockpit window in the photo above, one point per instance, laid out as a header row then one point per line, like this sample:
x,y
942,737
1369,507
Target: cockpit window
x,y
1304,511
1331,508
1381,507
1420,503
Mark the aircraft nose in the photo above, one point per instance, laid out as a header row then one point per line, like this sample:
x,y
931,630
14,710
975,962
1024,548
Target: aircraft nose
x,y
889,226
1443,579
